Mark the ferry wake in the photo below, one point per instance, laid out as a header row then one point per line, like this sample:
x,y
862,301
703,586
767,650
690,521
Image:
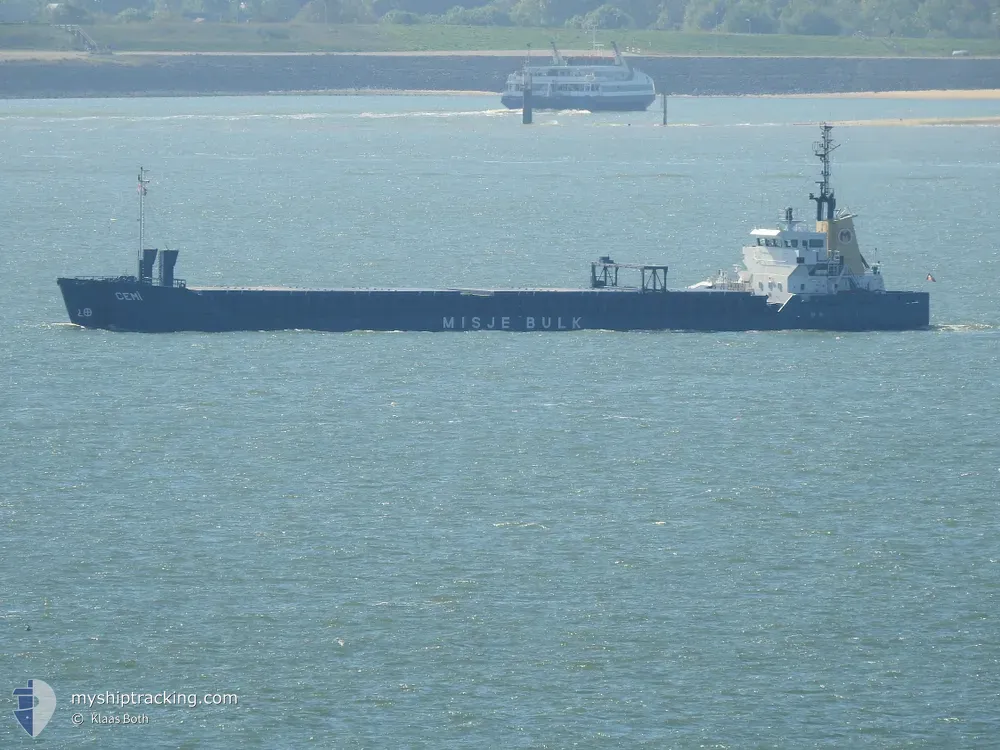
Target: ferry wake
x,y
793,276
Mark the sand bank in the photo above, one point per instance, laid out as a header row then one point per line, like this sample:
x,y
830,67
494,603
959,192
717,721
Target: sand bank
x,y
934,94
921,121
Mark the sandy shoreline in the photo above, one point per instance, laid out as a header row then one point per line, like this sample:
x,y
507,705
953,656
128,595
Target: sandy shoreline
x,y
920,121
384,92
941,94
954,94
933,95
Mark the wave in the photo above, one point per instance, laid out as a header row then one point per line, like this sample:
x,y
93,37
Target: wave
x,y
435,114
240,117
964,327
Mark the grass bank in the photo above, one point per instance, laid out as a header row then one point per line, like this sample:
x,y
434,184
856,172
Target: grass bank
x,y
262,38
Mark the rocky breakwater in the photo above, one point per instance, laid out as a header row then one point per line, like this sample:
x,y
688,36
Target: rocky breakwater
x,y
249,74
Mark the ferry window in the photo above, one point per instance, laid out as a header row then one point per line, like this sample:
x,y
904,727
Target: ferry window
x,y
795,243
760,285
803,287
786,243
759,241
779,287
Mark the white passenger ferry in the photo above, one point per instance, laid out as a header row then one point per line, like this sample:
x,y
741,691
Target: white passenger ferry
x,y
613,86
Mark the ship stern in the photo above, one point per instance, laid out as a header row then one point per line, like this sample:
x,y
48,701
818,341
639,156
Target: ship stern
x,y
512,101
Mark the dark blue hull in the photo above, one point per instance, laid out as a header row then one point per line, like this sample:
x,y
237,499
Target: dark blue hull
x,y
638,103
125,305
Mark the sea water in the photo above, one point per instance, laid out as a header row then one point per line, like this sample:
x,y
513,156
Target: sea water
x,y
496,540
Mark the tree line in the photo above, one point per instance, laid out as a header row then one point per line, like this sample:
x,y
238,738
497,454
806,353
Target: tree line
x,y
877,18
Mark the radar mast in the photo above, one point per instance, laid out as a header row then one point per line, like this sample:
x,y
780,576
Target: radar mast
x,y
557,59
141,190
823,148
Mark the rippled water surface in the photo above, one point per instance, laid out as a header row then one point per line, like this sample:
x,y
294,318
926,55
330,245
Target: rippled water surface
x,y
497,540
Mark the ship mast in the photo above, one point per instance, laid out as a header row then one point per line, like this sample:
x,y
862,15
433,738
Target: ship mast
x,y
557,59
141,189
823,149
619,60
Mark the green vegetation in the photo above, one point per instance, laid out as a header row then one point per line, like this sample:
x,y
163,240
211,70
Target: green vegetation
x,y
741,27
34,36
956,19
308,37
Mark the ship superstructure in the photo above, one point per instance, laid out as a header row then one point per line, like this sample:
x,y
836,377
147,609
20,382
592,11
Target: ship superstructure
x,y
594,85
796,259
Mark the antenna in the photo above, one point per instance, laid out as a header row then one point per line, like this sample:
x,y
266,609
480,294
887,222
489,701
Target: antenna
x,y
823,148
141,189
557,59
619,60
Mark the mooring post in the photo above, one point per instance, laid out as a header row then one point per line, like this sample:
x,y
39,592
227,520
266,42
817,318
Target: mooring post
x,y
664,95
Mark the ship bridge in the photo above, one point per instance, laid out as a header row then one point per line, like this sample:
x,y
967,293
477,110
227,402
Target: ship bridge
x,y
792,243
795,258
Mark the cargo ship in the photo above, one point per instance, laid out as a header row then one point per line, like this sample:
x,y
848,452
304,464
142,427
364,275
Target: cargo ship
x,y
595,85
793,276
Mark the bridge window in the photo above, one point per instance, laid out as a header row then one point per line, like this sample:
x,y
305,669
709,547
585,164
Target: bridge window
x,y
815,243
795,243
